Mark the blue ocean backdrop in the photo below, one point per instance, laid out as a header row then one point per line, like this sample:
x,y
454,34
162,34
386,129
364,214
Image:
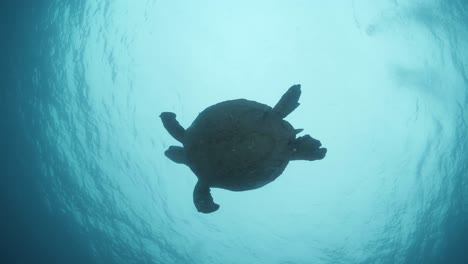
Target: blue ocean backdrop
x,y
83,174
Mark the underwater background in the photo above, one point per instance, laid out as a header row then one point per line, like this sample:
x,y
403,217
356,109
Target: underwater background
x,y
384,87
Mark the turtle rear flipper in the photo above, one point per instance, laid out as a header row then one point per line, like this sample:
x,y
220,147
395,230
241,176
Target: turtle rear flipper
x,y
203,200
289,101
307,148
172,126
176,154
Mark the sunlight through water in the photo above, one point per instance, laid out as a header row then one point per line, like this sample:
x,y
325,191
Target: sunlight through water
x,y
384,87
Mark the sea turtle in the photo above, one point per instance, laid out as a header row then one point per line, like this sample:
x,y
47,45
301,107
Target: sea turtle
x,y
239,145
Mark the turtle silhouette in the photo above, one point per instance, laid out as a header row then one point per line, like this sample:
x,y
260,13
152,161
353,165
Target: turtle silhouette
x,y
239,145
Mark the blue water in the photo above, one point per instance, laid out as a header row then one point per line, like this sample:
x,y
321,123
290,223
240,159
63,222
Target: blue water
x,y
384,87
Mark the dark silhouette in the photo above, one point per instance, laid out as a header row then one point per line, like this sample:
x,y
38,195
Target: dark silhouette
x,y
239,145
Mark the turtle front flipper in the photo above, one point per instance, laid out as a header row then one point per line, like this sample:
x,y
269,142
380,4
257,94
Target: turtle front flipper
x,y
203,200
176,154
289,101
172,126
307,148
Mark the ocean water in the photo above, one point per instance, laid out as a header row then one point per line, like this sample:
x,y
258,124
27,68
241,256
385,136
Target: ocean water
x,y
384,87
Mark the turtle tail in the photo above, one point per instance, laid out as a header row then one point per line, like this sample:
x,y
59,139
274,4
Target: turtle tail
x,y
289,101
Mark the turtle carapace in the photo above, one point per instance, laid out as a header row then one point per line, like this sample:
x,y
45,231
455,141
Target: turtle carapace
x,y
239,145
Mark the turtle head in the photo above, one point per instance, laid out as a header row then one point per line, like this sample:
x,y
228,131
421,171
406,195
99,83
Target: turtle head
x,y
307,148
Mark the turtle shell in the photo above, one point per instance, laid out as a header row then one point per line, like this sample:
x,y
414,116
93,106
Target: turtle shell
x,y
238,145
